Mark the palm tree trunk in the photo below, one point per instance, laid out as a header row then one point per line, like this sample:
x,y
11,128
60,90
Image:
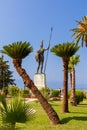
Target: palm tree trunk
x,y
65,86
70,80
54,119
73,97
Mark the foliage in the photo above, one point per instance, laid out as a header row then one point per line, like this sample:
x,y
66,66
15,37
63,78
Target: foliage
x,y
73,61
5,74
79,96
81,31
45,92
13,91
5,90
25,92
54,93
65,49
15,111
76,119
12,50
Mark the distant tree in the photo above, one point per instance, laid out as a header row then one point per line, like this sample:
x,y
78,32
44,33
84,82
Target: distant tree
x,y
72,62
5,74
81,31
65,51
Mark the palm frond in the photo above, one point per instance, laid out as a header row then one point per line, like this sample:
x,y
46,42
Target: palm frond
x,y
65,49
17,111
3,102
81,31
18,49
74,60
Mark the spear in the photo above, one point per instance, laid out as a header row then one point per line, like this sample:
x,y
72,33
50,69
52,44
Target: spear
x,y
48,50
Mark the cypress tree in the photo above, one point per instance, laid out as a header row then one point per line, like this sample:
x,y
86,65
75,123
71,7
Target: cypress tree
x,y
5,74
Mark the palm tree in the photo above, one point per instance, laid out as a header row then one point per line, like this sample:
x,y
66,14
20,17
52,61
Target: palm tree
x,y
73,61
81,31
17,51
15,111
65,51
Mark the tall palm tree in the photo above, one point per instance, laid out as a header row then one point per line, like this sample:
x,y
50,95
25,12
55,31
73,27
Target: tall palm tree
x,y
17,51
65,51
73,61
81,31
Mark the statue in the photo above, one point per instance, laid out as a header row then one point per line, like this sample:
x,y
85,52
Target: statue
x,y
39,56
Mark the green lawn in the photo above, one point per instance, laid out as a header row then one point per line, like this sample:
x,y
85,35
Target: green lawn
x,y
75,120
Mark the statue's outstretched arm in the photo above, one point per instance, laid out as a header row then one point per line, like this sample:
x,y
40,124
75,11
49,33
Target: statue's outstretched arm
x,y
47,48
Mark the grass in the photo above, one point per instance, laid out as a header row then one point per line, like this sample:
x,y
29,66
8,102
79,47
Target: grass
x,y
76,119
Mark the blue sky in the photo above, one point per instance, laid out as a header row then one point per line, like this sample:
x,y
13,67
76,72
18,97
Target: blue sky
x,y
31,21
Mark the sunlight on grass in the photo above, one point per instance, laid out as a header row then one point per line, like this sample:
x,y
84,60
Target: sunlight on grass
x,y
75,119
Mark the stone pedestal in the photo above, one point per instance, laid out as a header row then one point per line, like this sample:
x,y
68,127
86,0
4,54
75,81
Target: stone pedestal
x,y
40,80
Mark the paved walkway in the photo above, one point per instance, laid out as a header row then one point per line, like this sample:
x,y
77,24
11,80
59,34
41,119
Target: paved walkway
x,y
30,99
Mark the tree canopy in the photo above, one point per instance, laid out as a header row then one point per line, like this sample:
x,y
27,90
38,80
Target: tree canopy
x,y
6,77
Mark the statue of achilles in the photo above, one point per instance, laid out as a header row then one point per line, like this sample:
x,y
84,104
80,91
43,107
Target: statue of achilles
x,y
39,56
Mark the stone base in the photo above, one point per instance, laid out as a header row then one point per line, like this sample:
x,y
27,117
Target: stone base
x,y
40,80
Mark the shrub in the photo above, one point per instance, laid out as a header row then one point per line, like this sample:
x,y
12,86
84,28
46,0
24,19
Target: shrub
x,y
45,92
5,91
13,91
15,111
25,93
55,93
79,96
